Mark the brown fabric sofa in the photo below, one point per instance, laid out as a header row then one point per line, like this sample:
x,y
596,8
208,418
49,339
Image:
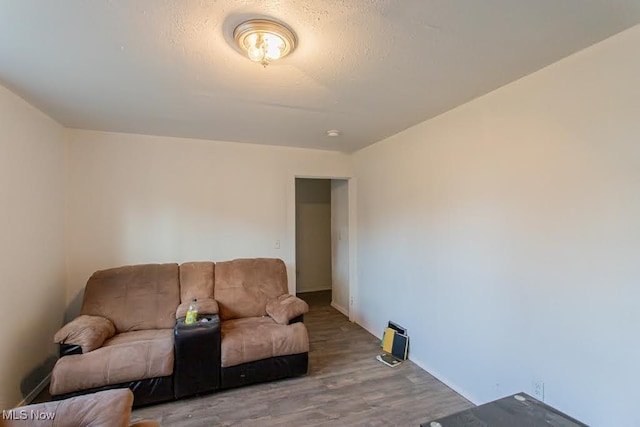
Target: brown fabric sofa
x,y
131,332
110,408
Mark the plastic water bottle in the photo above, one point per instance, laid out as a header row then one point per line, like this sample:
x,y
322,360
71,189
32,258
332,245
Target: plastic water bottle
x,y
192,313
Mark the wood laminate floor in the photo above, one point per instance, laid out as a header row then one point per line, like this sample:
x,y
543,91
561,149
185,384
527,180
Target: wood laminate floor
x,y
345,386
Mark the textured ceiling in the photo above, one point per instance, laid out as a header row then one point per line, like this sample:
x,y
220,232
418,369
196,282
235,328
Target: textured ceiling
x,y
369,68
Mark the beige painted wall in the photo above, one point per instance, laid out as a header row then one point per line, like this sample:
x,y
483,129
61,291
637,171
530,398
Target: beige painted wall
x,y
313,235
505,235
32,264
136,199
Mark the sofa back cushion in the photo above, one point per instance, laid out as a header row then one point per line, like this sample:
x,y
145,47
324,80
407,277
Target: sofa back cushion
x,y
134,297
244,286
196,280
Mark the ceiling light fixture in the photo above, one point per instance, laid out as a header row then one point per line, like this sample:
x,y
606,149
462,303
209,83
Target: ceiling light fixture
x,y
333,133
264,40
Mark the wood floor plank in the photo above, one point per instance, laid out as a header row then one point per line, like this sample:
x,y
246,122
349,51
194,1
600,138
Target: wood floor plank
x,y
345,386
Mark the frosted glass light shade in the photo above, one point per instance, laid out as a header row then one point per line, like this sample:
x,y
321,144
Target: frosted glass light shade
x,y
264,40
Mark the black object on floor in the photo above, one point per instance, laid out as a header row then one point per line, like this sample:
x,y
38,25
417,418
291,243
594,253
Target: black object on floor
x,y
519,410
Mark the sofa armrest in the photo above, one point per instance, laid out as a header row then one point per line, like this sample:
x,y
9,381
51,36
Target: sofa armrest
x,y
286,308
88,332
104,408
206,307
197,356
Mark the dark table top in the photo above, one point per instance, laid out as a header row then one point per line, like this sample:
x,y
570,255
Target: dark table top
x,y
518,410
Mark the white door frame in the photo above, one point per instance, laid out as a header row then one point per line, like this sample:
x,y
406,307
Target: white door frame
x,y
291,231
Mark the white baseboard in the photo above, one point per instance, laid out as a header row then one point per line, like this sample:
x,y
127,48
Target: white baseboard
x,y
36,391
314,289
455,387
340,309
369,329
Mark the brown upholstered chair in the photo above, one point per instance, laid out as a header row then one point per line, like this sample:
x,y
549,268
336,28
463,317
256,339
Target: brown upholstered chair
x,y
110,408
263,337
124,336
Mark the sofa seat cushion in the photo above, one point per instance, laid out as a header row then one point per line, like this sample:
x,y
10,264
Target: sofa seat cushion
x,y
256,338
126,357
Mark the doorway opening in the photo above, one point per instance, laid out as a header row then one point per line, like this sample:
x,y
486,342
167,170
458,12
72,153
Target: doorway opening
x,y
322,242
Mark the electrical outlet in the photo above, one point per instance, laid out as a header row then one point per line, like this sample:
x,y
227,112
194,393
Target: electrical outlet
x,y
277,244
537,390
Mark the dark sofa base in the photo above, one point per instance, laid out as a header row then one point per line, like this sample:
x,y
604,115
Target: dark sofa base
x,y
145,392
259,371
161,389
